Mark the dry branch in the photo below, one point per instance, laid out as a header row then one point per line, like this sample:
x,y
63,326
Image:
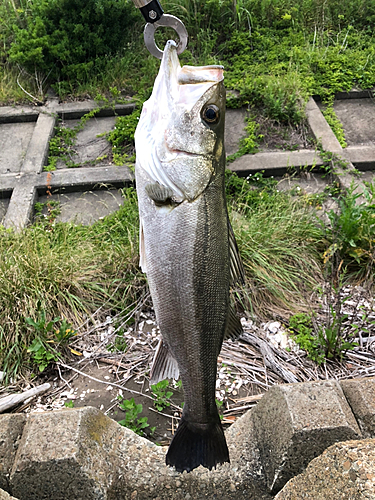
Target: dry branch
x,y
15,399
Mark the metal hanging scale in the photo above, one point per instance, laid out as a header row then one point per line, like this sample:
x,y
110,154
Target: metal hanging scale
x,y
155,18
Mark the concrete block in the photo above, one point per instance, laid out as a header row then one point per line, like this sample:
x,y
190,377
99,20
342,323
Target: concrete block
x,y
320,128
360,394
65,455
11,427
294,423
345,471
5,496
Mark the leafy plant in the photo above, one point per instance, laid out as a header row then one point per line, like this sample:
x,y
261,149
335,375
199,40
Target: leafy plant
x,y
161,394
352,232
119,345
69,404
46,334
335,124
131,421
42,354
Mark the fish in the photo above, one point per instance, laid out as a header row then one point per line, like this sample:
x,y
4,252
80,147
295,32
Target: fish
x,y
187,246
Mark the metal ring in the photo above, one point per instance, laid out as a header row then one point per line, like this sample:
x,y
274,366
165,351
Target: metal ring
x,y
171,22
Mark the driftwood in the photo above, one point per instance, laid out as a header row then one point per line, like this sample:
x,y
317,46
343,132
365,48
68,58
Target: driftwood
x,y
15,399
268,357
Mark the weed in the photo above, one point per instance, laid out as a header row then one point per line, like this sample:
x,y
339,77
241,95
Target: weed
x,y
335,124
131,421
161,394
279,241
352,232
120,344
122,138
45,336
69,404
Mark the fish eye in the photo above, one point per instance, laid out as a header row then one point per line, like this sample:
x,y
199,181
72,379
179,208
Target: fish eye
x,y
211,114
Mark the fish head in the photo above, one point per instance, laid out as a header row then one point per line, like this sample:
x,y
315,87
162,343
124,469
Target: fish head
x,y
180,135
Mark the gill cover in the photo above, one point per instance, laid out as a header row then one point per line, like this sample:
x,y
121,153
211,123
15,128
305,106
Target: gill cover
x,y
180,133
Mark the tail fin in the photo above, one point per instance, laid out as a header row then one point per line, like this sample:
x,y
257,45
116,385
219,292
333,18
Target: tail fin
x,y
194,445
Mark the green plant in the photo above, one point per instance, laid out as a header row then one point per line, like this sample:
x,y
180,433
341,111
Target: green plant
x,y
45,336
119,345
122,138
70,39
250,143
279,240
161,394
69,272
335,124
301,324
69,404
42,354
351,232
131,421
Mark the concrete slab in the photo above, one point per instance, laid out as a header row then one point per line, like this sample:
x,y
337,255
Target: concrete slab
x,y
294,423
275,163
11,427
360,394
320,128
14,141
89,147
4,204
234,129
358,119
85,207
64,455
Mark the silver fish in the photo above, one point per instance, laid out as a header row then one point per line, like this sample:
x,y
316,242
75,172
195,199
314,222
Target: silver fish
x,y
187,246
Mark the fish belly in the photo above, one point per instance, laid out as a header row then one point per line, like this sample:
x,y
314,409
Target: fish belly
x,y
187,260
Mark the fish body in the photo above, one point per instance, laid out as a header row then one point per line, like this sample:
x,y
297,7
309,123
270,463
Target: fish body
x,y
185,244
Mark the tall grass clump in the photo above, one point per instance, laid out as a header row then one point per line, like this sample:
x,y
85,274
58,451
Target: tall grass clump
x,y
68,271
279,241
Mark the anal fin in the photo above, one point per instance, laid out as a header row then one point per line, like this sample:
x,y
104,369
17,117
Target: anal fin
x,y
164,365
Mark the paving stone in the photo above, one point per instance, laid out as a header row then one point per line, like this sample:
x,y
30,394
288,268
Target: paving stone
x,y
85,207
88,146
11,427
294,423
358,119
14,141
64,455
345,471
234,129
360,394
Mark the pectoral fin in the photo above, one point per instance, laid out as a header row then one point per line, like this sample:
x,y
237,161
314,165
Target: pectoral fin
x,y
233,328
160,194
142,253
164,365
237,272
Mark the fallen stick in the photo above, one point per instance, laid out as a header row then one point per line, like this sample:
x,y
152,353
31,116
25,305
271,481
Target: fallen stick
x,y
15,399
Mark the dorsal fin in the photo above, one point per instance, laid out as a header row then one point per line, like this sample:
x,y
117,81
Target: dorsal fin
x,y
237,272
233,327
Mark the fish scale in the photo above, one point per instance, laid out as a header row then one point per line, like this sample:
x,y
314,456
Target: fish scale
x,y
185,245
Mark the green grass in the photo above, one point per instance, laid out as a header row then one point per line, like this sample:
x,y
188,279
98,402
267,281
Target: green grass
x,y
279,240
68,272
